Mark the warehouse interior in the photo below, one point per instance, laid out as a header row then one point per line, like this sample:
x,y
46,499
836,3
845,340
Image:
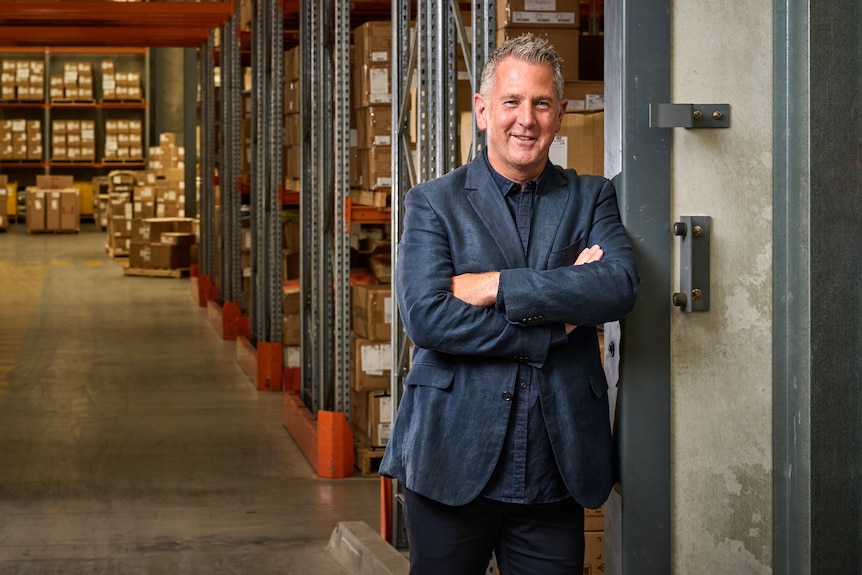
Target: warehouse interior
x,y
162,149
199,358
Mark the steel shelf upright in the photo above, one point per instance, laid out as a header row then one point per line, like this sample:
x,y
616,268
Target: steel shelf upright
x,y
207,209
325,272
234,305
429,54
266,182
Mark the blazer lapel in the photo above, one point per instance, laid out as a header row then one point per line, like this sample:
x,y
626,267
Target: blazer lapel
x,y
490,206
548,213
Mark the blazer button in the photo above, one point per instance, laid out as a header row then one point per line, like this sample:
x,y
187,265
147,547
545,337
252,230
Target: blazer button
x,y
507,396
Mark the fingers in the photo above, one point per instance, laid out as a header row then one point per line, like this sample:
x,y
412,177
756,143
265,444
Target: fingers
x,y
591,254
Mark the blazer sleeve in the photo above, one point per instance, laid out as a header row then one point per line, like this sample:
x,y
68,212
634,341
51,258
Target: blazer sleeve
x,y
433,317
582,295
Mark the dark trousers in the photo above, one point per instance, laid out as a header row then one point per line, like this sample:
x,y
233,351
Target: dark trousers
x,y
546,539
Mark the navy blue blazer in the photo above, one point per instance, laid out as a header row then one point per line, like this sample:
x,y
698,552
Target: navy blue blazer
x,y
452,418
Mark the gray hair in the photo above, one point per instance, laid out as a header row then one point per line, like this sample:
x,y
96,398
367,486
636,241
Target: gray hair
x,y
529,48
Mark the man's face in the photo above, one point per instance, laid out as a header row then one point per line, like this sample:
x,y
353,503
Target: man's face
x,y
521,116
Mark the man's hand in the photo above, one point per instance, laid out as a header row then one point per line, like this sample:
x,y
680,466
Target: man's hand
x,y
477,289
588,255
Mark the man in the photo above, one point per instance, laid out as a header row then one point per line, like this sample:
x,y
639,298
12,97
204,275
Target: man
x,y
505,267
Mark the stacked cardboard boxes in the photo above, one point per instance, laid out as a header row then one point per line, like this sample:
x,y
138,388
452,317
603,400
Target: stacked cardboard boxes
x,y
53,205
371,102
22,80
75,84
73,140
371,324
162,243
555,20
21,139
123,141
119,211
120,86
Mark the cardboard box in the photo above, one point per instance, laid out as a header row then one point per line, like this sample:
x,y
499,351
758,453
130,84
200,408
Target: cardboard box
x,y
371,363
370,416
50,182
70,215
564,41
52,210
379,419
373,42
159,256
36,209
375,167
554,13
150,230
594,552
580,143
594,519
177,238
374,126
371,311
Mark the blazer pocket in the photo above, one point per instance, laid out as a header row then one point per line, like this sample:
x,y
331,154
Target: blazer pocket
x,y
431,375
566,256
599,383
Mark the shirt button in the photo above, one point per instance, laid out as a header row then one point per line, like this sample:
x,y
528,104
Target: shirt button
x,y
523,385
507,396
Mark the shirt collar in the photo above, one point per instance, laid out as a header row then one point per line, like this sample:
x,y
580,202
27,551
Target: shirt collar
x,y
507,186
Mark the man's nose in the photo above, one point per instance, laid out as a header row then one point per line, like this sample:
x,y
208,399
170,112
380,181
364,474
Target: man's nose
x,y
526,115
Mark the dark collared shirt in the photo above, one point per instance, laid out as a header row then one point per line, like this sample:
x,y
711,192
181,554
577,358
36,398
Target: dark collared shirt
x,y
527,471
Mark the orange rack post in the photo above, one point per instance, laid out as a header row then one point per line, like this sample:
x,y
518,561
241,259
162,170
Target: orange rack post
x,y
326,441
230,320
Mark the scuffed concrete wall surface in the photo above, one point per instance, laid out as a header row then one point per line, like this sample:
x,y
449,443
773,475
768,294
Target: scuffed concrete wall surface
x,y
721,400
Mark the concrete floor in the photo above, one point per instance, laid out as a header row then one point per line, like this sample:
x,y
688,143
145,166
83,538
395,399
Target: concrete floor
x,y
130,439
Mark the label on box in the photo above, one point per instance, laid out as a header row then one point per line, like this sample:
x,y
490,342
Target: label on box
x,y
540,5
292,356
387,310
382,140
375,359
380,56
378,80
384,430
543,17
385,409
559,151
384,182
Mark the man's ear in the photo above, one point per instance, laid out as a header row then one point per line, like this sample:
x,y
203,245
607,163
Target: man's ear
x,y
563,105
479,108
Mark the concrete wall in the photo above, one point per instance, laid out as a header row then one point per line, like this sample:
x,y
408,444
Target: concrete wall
x,y
721,384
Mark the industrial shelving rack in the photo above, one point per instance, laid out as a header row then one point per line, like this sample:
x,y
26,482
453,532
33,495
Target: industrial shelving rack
x,y
429,52
426,52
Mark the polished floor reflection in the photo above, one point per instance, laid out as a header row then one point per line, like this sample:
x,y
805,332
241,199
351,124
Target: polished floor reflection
x,y
130,439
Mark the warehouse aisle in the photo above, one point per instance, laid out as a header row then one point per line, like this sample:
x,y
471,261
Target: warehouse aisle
x,y
130,439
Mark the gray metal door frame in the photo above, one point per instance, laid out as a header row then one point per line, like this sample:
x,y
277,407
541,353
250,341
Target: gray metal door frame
x,y
637,158
817,406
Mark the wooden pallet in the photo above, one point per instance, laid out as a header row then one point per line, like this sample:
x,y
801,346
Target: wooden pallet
x,y
157,272
367,459
73,102
123,100
53,232
122,162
